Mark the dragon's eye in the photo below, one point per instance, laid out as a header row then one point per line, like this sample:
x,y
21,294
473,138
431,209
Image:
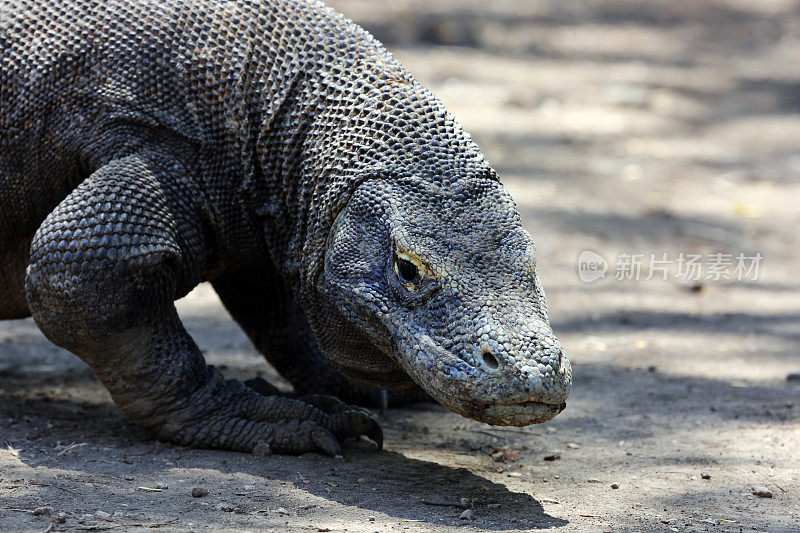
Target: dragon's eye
x,y
406,270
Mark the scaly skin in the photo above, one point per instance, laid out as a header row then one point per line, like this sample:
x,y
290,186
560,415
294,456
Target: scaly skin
x,y
276,149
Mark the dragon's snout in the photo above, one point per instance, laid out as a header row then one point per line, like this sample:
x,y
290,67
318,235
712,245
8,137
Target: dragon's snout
x,y
508,377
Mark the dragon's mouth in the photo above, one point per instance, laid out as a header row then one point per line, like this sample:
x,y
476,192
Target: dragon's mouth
x,y
521,413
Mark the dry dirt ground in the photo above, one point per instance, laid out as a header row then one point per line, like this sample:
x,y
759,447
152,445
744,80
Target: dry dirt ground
x,y
620,127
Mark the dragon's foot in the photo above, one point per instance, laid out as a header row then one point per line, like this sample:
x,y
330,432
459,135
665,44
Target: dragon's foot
x,y
229,415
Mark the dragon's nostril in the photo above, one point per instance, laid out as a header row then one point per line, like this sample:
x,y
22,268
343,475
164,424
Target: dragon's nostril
x,y
489,359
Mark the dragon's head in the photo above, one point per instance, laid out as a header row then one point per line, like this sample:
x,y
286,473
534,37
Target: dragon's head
x,y
441,282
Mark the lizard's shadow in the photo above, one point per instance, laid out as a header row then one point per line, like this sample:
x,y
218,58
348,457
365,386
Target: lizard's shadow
x,y
426,491
385,482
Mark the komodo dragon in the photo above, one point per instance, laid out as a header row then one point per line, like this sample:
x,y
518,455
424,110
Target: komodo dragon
x,y
277,150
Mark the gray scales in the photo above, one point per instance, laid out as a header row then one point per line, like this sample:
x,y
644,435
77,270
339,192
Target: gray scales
x,y
277,150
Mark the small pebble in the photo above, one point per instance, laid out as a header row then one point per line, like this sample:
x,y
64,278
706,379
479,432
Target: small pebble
x,y
371,518
103,514
60,518
555,456
514,474
762,492
40,511
225,507
694,478
593,480
794,376
199,492
697,286
573,445
705,475
465,502
466,515
615,485
249,487
161,485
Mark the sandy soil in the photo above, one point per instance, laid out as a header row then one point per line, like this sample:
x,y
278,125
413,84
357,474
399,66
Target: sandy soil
x,y
620,127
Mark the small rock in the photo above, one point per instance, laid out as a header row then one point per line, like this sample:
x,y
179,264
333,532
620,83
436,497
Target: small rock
x,y
507,454
465,502
705,475
593,480
615,485
762,492
225,507
693,478
282,510
573,445
493,505
794,376
161,485
262,449
514,474
249,487
41,511
103,514
697,286
60,518
371,518
199,492
128,478
466,515
555,456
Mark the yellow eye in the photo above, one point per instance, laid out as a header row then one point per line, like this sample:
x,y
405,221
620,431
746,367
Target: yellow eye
x,y
406,270
409,268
